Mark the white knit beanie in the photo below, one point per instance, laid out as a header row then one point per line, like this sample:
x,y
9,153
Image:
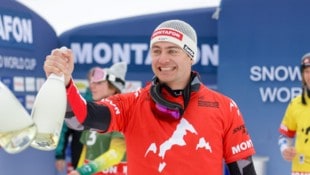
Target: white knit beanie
x,y
179,33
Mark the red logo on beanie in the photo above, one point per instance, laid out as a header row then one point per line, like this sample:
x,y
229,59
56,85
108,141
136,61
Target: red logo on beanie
x,y
168,32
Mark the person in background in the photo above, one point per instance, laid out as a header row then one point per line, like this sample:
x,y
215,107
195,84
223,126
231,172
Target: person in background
x,y
61,150
70,137
175,124
99,148
295,125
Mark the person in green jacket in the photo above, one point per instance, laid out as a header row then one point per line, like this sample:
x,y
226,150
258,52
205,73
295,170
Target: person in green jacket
x,y
104,151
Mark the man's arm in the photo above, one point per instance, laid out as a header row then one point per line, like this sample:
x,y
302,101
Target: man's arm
x,y
88,114
242,167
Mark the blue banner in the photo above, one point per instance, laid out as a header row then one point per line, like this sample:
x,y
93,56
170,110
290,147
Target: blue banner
x,y
25,40
104,51
261,45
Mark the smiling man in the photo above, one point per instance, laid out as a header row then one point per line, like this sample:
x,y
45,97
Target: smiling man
x,y
174,125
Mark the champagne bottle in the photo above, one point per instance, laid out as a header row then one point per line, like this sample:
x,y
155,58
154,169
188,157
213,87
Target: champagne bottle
x,y
48,113
17,129
18,140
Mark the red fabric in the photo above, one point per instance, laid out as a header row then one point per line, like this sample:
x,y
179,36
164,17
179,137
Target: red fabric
x,y
212,128
73,97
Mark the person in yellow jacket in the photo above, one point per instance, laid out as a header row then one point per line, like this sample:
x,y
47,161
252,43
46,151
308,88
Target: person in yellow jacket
x,y
295,125
104,154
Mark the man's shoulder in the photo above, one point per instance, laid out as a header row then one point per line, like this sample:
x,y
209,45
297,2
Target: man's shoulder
x,y
213,93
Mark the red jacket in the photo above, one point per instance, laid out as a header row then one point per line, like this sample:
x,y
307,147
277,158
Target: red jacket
x,y
210,130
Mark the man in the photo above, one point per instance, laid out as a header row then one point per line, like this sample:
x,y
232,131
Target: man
x,y
174,125
296,124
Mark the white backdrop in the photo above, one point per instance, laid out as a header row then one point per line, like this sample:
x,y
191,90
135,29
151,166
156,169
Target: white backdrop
x,y
64,15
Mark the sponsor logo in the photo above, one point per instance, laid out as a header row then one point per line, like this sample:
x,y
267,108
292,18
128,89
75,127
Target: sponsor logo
x,y
212,104
119,169
189,51
177,139
242,147
263,75
134,53
17,62
116,109
15,29
168,32
239,128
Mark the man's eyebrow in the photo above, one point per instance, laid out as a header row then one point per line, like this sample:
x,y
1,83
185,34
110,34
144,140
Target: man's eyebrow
x,y
173,47
168,47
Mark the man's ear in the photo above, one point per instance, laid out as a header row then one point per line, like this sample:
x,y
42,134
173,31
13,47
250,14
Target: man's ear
x,y
192,61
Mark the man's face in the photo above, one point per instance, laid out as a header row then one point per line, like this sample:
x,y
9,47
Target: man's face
x,y
171,64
